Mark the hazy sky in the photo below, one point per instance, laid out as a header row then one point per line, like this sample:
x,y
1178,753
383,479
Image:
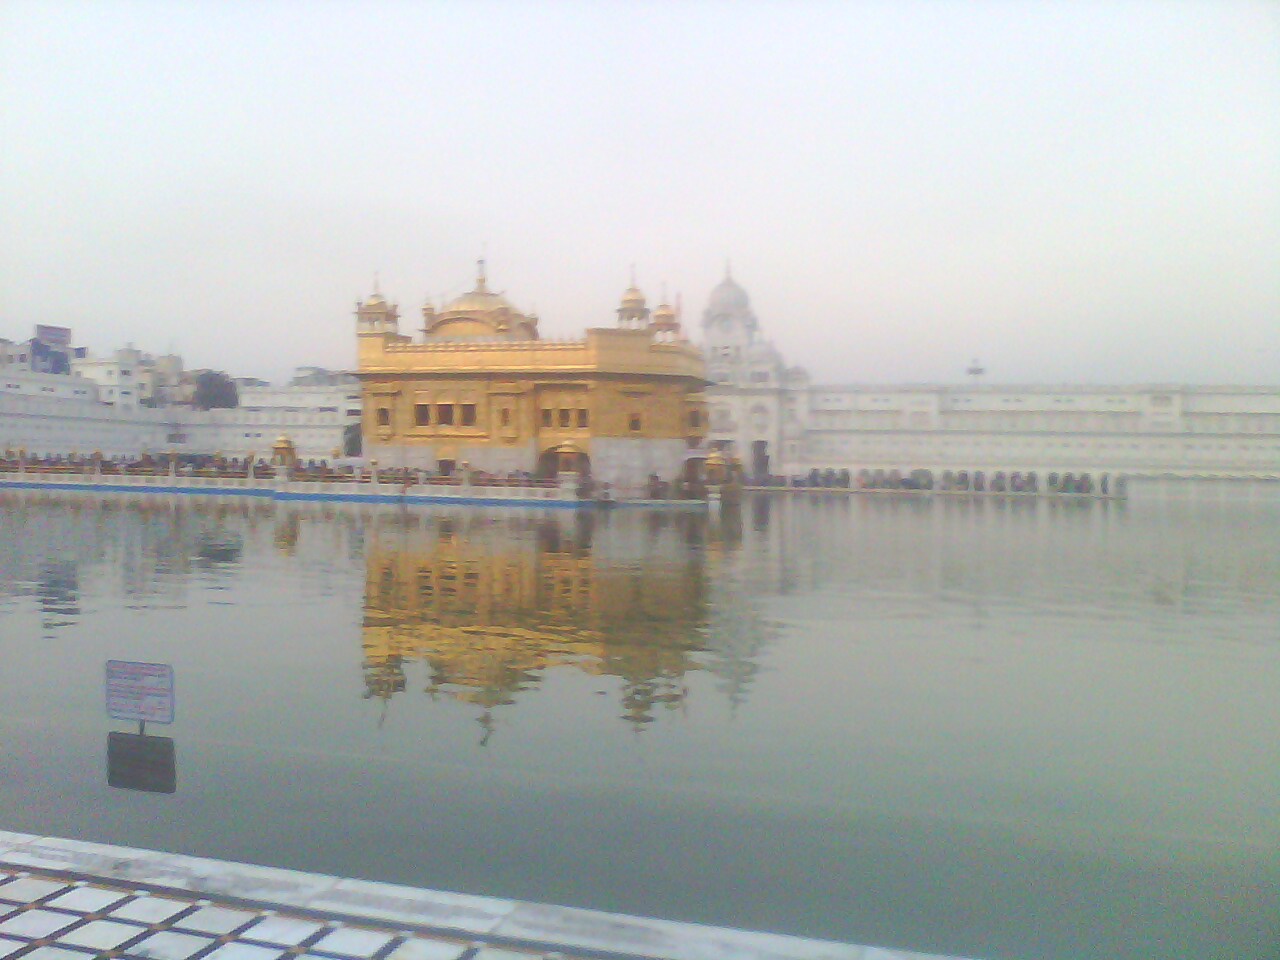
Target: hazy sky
x,y
1070,191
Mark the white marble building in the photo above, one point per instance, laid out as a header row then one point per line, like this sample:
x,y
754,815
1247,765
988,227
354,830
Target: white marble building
x,y
47,386
130,378
51,414
780,423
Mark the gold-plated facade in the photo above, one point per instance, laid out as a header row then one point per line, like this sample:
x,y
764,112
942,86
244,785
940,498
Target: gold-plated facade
x,y
481,386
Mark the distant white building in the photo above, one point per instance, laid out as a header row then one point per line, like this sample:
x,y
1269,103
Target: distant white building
x,y
313,413
48,351
780,423
130,378
49,386
51,414
304,395
44,423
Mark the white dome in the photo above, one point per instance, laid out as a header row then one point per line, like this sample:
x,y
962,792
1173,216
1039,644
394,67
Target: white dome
x,y
728,297
729,308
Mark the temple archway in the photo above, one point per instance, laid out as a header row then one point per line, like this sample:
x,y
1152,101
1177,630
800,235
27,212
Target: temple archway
x,y
563,458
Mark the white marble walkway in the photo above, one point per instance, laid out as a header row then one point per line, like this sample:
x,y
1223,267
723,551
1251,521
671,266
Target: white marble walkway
x,y
66,900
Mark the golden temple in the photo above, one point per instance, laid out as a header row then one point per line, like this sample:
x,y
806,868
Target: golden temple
x,y
481,386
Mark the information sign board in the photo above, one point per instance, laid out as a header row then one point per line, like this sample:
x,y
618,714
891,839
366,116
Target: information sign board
x,y
140,691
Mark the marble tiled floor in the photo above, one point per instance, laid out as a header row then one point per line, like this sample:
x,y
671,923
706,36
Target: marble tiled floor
x,y
62,899
49,917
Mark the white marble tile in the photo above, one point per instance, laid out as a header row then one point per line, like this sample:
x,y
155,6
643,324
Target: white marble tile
x,y
501,953
27,889
56,853
100,935
353,941
147,909
36,923
176,871
287,931
215,920
10,840
244,951
418,948
9,947
87,899
54,953
251,882
170,946
384,901
593,930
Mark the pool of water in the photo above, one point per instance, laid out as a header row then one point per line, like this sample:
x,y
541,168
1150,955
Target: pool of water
x,y
989,728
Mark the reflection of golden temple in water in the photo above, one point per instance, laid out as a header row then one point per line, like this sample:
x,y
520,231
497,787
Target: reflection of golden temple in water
x,y
489,615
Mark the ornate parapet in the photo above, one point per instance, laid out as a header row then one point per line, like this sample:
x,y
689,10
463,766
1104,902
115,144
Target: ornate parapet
x,y
623,352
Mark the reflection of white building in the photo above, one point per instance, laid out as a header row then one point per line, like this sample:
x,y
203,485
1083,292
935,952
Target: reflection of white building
x,y
780,423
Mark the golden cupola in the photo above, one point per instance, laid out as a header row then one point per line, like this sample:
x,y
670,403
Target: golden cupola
x,y
375,315
666,323
632,312
479,314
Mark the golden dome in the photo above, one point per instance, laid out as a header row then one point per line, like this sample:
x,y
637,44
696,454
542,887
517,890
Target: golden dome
x,y
664,314
479,300
633,297
480,314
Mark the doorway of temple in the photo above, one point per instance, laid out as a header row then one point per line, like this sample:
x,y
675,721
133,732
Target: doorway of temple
x,y
563,458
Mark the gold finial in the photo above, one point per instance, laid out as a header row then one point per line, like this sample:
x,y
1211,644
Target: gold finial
x,y
376,291
480,275
633,273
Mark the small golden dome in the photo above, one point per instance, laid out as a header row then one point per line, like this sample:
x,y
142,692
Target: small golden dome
x,y
664,314
633,297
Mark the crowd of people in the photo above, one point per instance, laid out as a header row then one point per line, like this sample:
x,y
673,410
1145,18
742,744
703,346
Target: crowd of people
x,y
959,481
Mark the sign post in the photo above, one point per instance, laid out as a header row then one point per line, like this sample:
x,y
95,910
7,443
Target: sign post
x,y
140,692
